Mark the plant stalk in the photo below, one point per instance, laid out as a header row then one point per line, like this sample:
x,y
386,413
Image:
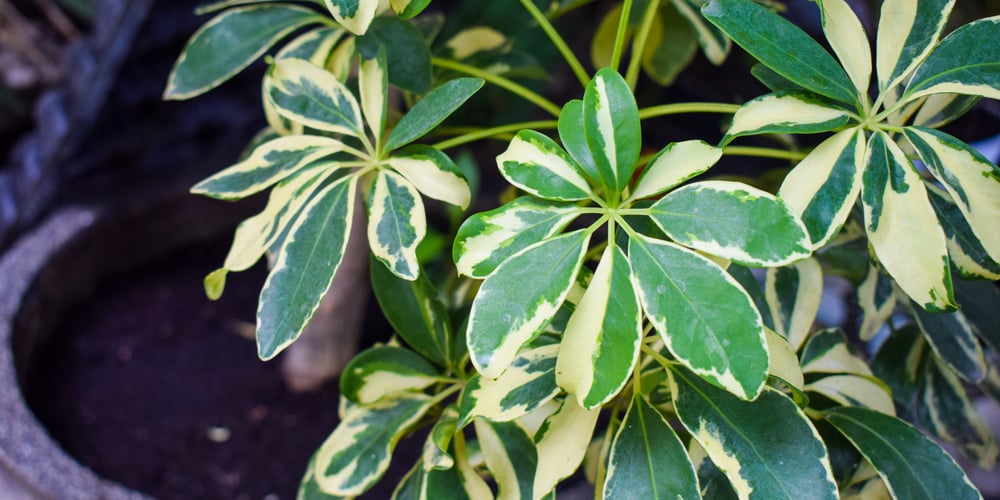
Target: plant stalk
x,y
499,81
557,40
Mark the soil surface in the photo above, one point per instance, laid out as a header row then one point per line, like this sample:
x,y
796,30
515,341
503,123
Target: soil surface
x,y
153,386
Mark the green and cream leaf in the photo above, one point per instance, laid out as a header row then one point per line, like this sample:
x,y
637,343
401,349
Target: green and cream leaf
x,y
611,127
786,112
312,96
373,85
965,62
827,351
510,455
877,299
950,415
907,32
562,443
526,385
384,370
953,339
674,164
793,295
849,41
396,223
964,248
537,165
853,390
433,173
355,15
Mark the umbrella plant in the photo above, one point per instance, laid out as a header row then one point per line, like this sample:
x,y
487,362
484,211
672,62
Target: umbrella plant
x,y
621,309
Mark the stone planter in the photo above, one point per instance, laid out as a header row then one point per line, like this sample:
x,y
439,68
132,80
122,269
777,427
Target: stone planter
x,y
50,269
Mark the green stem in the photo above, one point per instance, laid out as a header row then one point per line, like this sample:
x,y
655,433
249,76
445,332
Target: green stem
x,y
501,82
639,45
616,56
688,107
557,40
780,154
467,136
664,362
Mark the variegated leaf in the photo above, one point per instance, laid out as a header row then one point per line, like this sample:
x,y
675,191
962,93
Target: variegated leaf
x,y
938,110
600,345
562,443
436,454
702,314
511,457
744,224
965,62
971,179
519,299
406,9
537,165
877,300
529,383
822,188
783,47
793,294
954,341
216,6
373,84
310,256
964,247
647,459
396,223
357,453
897,217
487,239
409,487
433,174
766,447
309,489
211,57
913,466
674,164
671,45
408,55
431,110
314,46
267,164
714,43
474,40
713,483
784,362
852,390
355,15
899,363
383,370
907,31
786,112
461,482
979,300
312,96
573,138
950,415
849,41
612,130
827,351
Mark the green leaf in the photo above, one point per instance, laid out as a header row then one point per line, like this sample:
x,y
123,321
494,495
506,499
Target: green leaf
x,y
783,47
487,239
309,489
972,181
537,165
793,295
602,339
406,51
949,414
355,15
383,370
965,62
510,455
433,174
267,164
898,216
436,454
230,42
407,9
907,32
979,301
954,341
562,443
827,351
766,447
573,138
743,224
899,363
674,164
849,41
611,126
648,460
877,300
416,313
714,43
312,96
774,81
520,298
357,453
964,247
305,267
529,383
912,466
671,45
430,111
786,113
396,223
784,363
702,314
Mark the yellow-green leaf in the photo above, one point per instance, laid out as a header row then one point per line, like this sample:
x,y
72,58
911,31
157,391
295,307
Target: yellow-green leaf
x,y
785,112
373,82
852,390
674,164
849,41
562,443
355,15
793,294
433,174
312,96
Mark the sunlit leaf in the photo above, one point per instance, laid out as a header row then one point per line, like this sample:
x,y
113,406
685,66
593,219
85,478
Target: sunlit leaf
x,y
793,296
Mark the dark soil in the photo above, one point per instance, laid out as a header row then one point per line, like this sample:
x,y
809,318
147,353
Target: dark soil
x,y
152,385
